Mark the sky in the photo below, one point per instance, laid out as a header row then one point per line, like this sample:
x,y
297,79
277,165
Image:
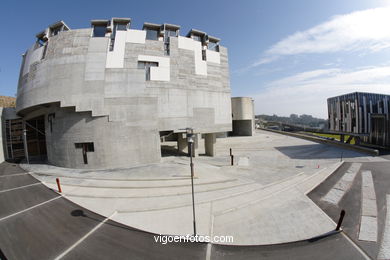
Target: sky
x,y
289,55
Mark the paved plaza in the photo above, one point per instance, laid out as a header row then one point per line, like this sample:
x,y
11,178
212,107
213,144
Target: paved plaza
x,y
260,200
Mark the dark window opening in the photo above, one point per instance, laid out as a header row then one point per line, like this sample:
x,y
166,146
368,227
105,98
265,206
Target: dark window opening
x,y
50,118
203,54
55,31
197,38
99,31
146,66
86,147
151,34
121,27
167,34
213,46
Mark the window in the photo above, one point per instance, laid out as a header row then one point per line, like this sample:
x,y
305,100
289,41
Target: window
x,y
213,46
99,31
152,34
121,26
146,66
170,33
55,31
86,147
197,38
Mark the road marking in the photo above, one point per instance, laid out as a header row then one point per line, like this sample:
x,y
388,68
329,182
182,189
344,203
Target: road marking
x,y
16,174
35,206
384,251
369,222
84,237
21,187
342,186
361,251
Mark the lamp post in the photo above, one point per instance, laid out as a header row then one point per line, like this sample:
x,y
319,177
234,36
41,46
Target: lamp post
x,y
190,140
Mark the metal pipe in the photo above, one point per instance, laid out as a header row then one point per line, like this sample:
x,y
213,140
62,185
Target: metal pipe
x,y
25,142
342,214
192,186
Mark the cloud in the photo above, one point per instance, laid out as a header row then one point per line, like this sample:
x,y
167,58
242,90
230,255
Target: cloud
x,y
366,30
307,92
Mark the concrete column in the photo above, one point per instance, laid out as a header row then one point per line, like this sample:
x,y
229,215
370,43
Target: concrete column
x,y
197,137
209,144
182,144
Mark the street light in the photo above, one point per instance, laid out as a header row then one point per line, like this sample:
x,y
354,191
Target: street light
x,y
190,140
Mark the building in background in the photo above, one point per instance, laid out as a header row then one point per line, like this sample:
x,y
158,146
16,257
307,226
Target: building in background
x,y
364,116
103,96
243,114
11,138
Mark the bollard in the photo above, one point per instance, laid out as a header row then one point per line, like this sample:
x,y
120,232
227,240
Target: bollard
x,y
231,157
318,166
58,185
341,157
342,214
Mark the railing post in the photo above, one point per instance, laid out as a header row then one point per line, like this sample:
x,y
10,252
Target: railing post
x,y
342,214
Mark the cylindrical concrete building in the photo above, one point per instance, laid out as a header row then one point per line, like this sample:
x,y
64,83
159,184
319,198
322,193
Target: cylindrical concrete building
x,y
100,97
243,113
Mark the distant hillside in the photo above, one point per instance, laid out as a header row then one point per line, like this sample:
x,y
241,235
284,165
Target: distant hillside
x,y
294,119
7,101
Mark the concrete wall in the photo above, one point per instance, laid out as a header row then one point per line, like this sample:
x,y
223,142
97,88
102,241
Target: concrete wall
x,y
107,89
243,116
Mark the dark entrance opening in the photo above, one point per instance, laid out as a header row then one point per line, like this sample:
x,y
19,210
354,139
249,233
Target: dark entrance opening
x,y
36,139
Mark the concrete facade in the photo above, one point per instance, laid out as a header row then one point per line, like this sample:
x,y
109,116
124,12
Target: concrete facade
x,y
243,116
119,90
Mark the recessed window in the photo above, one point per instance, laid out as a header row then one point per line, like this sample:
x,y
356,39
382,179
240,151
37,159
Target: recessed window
x,y
99,31
86,147
197,38
213,46
146,65
170,33
121,26
55,31
151,34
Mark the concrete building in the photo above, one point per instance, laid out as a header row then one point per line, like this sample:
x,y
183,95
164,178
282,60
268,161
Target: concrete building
x,y
243,114
11,143
364,116
103,96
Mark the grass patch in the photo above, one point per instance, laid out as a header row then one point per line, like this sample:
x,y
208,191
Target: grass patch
x,y
335,136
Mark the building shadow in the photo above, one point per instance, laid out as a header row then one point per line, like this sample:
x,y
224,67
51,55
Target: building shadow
x,y
317,151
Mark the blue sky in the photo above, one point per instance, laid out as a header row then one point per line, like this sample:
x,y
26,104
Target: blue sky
x,y
290,55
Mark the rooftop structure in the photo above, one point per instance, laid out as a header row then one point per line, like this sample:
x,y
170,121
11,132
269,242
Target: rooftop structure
x,y
103,96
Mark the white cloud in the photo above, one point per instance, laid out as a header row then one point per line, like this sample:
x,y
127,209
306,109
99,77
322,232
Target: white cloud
x,y
366,30
306,93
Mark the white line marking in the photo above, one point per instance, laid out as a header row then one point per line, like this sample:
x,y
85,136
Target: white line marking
x,y
16,174
343,185
355,246
369,222
40,204
20,187
384,251
84,237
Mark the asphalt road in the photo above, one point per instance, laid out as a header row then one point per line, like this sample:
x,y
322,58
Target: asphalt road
x,y
38,223
351,202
